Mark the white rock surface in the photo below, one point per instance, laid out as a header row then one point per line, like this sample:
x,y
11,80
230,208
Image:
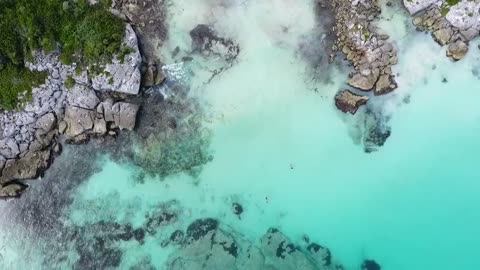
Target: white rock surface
x,y
415,6
122,77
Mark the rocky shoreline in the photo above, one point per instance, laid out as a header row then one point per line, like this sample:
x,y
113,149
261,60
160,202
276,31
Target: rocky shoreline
x,y
372,55
71,106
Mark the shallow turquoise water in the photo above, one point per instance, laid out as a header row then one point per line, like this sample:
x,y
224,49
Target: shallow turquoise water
x,y
285,152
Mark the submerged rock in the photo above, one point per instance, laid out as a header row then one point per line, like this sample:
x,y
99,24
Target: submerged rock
x,y
347,101
201,227
122,75
376,131
237,209
206,41
370,265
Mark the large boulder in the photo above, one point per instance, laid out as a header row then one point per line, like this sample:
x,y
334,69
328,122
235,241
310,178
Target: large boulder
x,y
27,167
443,36
82,96
46,122
122,75
79,120
125,115
385,85
457,50
346,101
364,80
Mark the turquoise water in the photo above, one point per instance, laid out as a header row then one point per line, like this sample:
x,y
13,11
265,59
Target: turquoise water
x,y
286,154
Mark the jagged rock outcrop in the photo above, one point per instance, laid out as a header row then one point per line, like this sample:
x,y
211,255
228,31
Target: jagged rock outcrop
x,y
206,41
28,135
346,101
370,265
450,24
205,245
122,75
148,17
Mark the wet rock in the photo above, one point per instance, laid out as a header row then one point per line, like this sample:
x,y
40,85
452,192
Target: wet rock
x,y
364,82
385,85
320,253
457,50
443,36
9,148
376,131
370,265
347,101
27,167
153,76
11,190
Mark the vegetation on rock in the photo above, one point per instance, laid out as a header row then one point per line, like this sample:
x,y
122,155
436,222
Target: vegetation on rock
x,y
83,33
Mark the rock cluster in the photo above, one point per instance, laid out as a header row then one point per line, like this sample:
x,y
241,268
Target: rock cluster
x,y
453,25
206,246
29,137
371,54
206,41
346,101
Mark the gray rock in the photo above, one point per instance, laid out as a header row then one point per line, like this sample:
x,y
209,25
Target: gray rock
x,y
9,148
2,162
125,115
347,101
364,82
62,126
443,36
83,97
105,108
46,122
100,126
27,167
384,85
78,120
